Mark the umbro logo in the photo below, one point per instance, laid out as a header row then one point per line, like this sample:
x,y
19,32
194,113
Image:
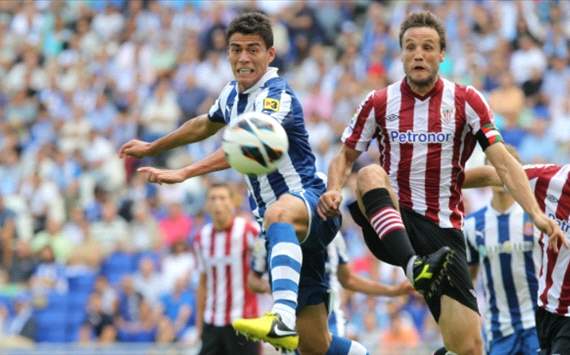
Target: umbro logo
x,y
552,198
392,117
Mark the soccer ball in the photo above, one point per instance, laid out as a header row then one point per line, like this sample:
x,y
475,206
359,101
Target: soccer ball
x,y
255,143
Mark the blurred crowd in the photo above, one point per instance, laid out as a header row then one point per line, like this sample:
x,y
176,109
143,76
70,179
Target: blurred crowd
x,y
91,252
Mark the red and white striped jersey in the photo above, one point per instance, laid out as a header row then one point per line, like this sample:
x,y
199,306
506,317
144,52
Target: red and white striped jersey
x,y
551,186
424,143
224,255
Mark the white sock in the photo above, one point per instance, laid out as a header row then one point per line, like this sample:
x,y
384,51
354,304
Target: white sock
x,y
410,269
287,316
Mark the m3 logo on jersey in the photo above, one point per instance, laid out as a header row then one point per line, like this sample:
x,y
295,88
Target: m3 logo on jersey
x,y
270,104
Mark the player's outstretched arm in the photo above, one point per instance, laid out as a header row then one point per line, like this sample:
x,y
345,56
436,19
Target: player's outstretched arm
x,y
481,176
213,162
354,282
515,179
193,130
339,170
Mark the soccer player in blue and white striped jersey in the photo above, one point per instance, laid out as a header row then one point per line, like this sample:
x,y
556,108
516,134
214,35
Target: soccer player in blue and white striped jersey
x,y
285,200
338,274
500,242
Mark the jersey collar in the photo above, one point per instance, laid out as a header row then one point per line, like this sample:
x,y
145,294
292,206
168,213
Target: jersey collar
x,y
436,89
269,74
509,210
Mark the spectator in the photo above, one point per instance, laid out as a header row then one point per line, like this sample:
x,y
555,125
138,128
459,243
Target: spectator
x,y
148,282
7,232
400,335
179,306
49,275
176,226
192,98
143,229
18,329
23,263
526,59
161,113
111,232
536,147
98,324
178,263
53,237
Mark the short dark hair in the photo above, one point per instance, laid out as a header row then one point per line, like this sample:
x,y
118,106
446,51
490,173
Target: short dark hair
x,y
423,19
251,23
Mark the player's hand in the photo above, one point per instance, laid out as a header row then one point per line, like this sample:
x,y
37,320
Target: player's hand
x,y
163,176
135,148
329,204
555,235
403,288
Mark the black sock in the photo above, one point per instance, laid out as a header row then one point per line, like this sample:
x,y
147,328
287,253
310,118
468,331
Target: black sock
x,y
387,223
374,244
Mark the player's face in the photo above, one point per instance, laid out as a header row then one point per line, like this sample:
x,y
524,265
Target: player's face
x,y
249,58
421,55
219,204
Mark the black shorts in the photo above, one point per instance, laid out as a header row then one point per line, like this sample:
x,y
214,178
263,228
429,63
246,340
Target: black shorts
x,y
427,237
225,341
553,333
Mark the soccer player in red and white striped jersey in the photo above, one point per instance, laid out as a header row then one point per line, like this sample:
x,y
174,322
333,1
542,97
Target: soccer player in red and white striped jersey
x,y
426,127
551,186
223,247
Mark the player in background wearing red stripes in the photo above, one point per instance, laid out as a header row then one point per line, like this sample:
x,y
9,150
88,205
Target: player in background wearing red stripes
x,y
411,206
224,248
551,186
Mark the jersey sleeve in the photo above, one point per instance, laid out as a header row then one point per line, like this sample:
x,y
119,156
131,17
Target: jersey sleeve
x,y
470,244
536,170
218,112
480,118
278,103
362,128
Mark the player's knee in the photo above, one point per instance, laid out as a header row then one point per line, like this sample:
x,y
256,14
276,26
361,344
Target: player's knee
x,y
371,177
314,346
277,214
467,346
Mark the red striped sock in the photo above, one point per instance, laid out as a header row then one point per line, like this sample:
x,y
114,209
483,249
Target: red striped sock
x,y
386,220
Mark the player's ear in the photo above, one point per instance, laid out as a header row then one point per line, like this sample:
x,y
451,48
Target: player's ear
x,y
272,53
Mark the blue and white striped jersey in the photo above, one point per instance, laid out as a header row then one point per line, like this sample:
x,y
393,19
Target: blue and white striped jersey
x,y
336,255
508,255
273,96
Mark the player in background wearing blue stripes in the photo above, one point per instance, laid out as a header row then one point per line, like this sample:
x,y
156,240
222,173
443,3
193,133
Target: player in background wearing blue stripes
x,y
500,242
285,200
339,275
